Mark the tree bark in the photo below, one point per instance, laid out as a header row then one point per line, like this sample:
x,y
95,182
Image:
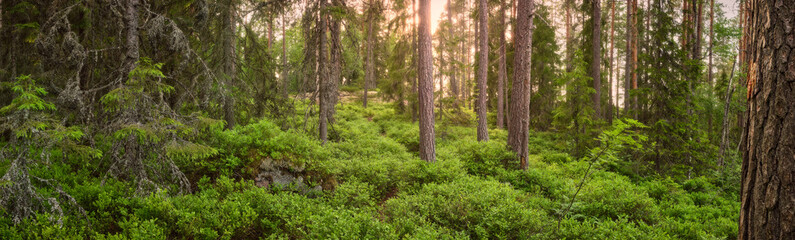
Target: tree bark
x,y
131,55
483,64
596,54
229,64
369,64
324,73
611,71
711,39
768,172
519,128
569,38
425,74
724,142
501,72
415,61
451,62
285,83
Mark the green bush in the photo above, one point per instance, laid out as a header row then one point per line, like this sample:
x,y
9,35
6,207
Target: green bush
x,y
479,208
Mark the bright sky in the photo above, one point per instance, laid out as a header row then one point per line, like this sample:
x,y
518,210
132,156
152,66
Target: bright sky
x,y
437,7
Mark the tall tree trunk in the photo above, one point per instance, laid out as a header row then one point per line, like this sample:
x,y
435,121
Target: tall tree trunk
x,y
519,127
323,76
569,35
270,33
330,93
425,73
767,210
635,45
596,52
441,84
724,140
415,50
451,62
483,64
611,71
502,69
628,71
229,64
131,55
285,83
711,39
369,70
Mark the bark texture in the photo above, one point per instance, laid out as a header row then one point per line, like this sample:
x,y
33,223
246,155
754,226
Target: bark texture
x,y
369,65
229,68
285,83
611,69
518,129
483,64
502,69
596,54
425,74
768,171
323,76
452,70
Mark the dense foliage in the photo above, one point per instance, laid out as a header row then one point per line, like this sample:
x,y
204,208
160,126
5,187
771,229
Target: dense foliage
x,y
246,119
378,189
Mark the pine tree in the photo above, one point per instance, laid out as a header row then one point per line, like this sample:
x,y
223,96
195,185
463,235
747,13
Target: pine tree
x,y
768,172
519,127
425,74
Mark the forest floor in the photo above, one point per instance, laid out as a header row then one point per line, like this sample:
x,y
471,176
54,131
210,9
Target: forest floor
x,y
375,187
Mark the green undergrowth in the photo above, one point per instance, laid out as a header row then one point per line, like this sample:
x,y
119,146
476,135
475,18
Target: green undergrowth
x,y
375,187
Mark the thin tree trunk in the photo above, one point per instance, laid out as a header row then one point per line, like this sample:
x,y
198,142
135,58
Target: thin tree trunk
x,y
285,83
132,54
502,69
724,140
611,71
596,54
425,73
369,70
230,70
452,69
767,209
483,64
628,71
519,127
415,61
569,38
324,74
270,33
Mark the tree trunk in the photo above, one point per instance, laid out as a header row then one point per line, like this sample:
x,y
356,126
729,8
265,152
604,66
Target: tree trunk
x,y
768,172
724,142
270,33
711,39
330,94
502,69
483,64
323,76
596,54
628,71
415,61
285,83
425,74
569,38
452,69
229,68
131,21
369,70
611,70
519,128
